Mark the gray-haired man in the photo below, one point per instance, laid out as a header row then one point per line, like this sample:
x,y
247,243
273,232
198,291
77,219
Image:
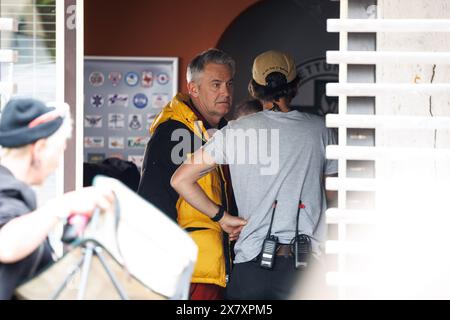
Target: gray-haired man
x,y
177,131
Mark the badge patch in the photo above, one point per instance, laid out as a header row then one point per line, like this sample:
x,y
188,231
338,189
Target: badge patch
x,y
94,142
96,78
314,74
150,118
118,100
137,142
137,160
131,78
116,120
97,101
96,157
115,77
163,78
135,121
116,142
140,100
147,79
159,100
93,121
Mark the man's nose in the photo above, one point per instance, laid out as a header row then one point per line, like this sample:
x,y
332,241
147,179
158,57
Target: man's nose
x,y
227,91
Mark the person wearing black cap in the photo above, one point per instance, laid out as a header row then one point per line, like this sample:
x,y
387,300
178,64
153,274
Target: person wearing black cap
x,y
278,165
33,137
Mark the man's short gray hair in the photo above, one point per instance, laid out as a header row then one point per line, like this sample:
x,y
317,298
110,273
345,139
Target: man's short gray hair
x,y
197,65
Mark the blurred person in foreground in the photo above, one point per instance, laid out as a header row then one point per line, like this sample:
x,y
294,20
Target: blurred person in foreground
x,y
33,138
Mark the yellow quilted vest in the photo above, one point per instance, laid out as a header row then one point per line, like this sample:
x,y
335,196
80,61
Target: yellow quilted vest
x,y
210,267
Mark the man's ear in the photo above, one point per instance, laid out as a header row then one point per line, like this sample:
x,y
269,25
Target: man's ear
x,y
37,150
193,89
39,146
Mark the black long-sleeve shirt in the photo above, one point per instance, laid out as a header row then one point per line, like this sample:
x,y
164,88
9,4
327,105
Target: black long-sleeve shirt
x,y
158,167
17,199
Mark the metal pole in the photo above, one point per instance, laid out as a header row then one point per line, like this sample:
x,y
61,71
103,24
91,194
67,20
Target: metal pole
x,y
85,270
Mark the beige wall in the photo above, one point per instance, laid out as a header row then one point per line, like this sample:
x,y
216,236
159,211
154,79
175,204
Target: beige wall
x,y
414,104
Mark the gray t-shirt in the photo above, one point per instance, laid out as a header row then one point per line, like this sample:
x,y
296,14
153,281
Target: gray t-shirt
x,y
276,156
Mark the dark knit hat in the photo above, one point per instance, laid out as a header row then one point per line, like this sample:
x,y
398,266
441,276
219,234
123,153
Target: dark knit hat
x,y
24,121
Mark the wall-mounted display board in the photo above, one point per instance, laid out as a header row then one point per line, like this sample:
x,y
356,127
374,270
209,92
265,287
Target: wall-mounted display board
x,y
122,96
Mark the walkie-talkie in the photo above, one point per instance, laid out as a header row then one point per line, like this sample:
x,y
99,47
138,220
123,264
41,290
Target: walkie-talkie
x,y
269,246
302,245
268,252
302,251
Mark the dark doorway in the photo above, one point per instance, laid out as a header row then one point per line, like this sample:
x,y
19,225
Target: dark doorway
x,y
294,26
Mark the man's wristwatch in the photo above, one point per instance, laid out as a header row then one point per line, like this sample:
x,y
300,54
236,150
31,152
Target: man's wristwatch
x,y
219,214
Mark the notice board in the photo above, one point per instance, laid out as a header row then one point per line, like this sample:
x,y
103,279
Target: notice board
x,y
122,96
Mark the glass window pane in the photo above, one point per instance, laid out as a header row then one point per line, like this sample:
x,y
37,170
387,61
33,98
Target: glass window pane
x,y
35,71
